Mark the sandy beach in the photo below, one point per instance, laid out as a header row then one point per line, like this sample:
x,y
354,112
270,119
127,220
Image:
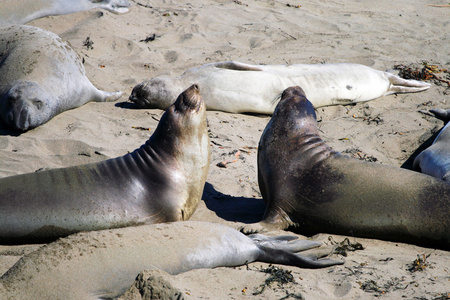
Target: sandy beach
x,y
166,38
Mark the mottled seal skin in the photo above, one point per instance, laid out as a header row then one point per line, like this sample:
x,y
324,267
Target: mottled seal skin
x,y
307,184
104,264
162,181
15,12
40,77
435,160
242,88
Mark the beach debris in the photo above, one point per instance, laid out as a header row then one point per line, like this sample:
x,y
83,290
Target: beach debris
x,y
150,38
141,128
420,263
239,2
293,5
359,154
377,120
88,43
425,72
223,164
344,246
278,275
371,286
143,5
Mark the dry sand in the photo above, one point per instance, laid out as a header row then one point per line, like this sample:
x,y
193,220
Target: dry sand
x,y
379,34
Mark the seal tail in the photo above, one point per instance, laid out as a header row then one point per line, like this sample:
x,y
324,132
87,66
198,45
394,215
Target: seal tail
x,y
400,85
282,250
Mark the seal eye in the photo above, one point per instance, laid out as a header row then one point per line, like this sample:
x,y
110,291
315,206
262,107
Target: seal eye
x,y
37,103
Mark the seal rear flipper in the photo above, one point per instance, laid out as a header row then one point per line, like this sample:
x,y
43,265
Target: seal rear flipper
x,y
441,114
286,242
400,85
278,256
236,66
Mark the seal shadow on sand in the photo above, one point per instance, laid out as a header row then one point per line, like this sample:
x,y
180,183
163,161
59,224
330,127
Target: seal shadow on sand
x,y
408,164
4,130
231,208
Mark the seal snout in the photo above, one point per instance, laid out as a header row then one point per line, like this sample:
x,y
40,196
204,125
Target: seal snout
x,y
191,97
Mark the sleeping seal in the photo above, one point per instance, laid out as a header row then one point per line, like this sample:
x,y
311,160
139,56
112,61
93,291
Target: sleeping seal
x,y
435,160
40,77
241,88
103,264
305,183
14,12
162,181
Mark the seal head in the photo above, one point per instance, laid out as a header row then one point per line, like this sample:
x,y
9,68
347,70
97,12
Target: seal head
x,y
155,93
25,105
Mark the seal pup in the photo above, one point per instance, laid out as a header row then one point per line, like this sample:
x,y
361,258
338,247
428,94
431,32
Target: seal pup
x,y
161,181
435,160
242,88
103,264
15,12
40,77
307,184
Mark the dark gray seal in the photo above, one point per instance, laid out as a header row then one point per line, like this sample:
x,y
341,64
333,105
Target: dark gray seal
x,y
103,264
307,184
161,181
435,160
40,77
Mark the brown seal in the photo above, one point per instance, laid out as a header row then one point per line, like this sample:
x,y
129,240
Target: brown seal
x,y
161,181
307,184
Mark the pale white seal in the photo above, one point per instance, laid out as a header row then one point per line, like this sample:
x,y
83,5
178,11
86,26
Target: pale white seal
x,y
13,12
40,77
103,264
241,88
435,160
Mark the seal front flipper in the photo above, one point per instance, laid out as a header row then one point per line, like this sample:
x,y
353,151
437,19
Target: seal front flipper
x,y
400,85
104,96
236,66
278,251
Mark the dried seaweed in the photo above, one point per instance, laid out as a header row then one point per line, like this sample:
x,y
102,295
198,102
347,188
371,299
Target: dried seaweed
x,y
277,275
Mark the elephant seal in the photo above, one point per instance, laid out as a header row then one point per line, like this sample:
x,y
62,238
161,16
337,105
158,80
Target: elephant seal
x,y
161,181
435,160
307,184
241,88
40,77
103,264
15,12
